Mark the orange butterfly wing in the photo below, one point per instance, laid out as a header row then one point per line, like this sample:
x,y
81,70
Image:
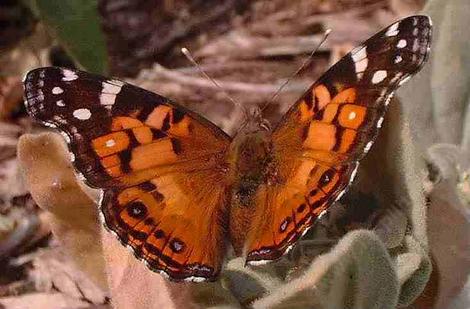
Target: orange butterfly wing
x,y
319,142
162,168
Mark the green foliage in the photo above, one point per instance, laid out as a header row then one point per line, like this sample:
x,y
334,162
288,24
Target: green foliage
x,y
75,24
357,273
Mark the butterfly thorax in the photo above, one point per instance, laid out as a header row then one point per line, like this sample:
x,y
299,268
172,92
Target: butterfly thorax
x,y
251,159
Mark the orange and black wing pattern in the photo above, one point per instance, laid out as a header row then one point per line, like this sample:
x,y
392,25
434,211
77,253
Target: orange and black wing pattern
x,y
161,167
319,142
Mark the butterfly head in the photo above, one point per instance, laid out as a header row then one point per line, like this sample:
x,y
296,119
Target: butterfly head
x,y
254,122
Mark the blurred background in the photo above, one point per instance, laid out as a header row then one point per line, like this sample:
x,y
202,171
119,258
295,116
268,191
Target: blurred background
x,y
250,47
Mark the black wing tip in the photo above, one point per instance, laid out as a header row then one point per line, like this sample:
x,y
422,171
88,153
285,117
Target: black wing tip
x,y
421,17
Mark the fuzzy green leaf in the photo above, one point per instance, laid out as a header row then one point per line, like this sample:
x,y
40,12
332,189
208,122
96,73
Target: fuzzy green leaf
x,y
357,273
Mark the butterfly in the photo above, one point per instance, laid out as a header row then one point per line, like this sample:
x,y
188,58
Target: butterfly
x,y
179,191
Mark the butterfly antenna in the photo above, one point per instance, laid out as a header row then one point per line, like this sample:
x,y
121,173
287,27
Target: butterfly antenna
x,y
304,64
188,55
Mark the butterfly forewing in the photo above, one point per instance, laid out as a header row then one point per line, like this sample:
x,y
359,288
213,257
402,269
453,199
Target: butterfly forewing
x,y
319,141
159,164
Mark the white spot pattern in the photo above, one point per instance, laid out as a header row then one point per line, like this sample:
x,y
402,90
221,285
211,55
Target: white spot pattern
x,y
352,115
398,59
359,56
108,93
60,103
57,90
368,146
379,76
379,122
401,43
69,75
110,143
82,114
393,30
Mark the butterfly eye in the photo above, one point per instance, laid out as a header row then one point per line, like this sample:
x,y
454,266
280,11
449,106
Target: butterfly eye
x,y
137,210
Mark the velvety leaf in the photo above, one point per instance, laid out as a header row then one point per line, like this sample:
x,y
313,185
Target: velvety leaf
x,y
413,270
357,273
72,208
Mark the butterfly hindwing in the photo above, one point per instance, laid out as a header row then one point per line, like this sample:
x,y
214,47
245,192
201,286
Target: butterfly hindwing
x,y
318,143
159,164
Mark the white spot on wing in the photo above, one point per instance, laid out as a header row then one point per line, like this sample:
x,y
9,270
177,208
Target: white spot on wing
x,y
57,90
110,143
367,148
69,75
354,172
379,122
352,115
379,76
60,103
393,30
82,114
109,92
340,195
398,59
359,57
361,67
401,43
388,99
359,53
